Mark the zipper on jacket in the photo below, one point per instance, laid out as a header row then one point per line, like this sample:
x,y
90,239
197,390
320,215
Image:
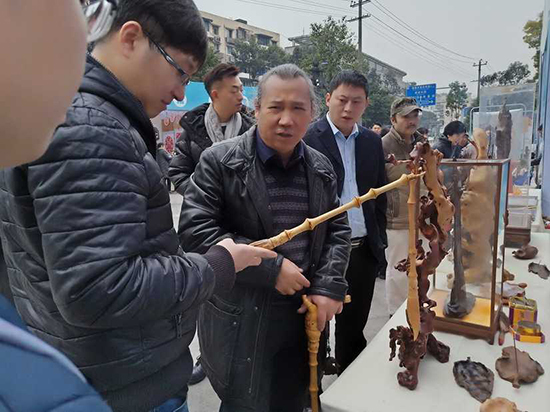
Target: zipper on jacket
x,y
256,345
179,331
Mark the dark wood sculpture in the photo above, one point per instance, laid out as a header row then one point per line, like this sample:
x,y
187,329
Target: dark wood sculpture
x,y
475,377
504,133
436,214
526,252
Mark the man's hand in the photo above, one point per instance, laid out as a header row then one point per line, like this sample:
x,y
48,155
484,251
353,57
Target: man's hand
x,y
244,255
290,279
326,309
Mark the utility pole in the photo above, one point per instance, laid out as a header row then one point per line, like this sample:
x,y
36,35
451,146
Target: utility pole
x,y
478,65
361,16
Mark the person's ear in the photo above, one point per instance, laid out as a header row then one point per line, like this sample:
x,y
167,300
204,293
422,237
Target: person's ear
x,y
128,36
214,94
327,99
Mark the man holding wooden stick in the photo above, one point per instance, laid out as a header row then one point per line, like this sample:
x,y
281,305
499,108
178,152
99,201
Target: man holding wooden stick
x,y
253,340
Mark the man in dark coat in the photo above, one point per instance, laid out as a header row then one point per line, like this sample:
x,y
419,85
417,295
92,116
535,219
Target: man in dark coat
x,y
225,118
253,341
94,263
358,159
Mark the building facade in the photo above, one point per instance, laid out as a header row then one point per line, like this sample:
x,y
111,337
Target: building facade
x,y
223,33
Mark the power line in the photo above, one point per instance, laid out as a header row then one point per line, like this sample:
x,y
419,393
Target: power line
x,y
289,8
389,13
413,41
424,57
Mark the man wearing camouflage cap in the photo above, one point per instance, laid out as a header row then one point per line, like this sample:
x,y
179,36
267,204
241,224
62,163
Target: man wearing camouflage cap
x,y
405,117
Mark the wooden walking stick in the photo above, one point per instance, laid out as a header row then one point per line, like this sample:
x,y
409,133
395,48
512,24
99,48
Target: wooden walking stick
x,y
311,223
313,338
413,302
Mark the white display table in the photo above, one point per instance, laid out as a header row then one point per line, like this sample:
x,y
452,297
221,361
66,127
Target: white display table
x,y
370,383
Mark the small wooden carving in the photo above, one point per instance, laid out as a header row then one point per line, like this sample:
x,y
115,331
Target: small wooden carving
x,y
539,269
525,252
498,405
475,377
518,367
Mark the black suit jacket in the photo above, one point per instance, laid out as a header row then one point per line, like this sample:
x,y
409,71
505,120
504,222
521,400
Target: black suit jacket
x,y
370,173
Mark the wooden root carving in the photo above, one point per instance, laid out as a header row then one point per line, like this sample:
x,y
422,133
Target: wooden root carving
x,y
435,210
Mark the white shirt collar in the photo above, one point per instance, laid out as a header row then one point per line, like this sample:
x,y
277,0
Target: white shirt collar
x,y
336,131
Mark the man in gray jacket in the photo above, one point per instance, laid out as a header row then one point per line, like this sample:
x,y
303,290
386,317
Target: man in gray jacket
x,y
399,142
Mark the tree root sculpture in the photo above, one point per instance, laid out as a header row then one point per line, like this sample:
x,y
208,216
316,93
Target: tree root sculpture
x,y
436,212
478,208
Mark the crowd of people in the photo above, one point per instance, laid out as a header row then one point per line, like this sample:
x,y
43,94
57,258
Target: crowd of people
x,y
101,297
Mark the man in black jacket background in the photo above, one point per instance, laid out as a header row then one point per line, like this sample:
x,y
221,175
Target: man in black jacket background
x,y
94,263
224,118
358,159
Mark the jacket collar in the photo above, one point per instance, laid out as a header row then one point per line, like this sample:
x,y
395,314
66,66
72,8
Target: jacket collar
x,y
326,136
99,81
244,160
194,125
242,155
396,136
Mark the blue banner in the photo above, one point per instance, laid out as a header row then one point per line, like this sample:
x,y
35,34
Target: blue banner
x,y
423,93
195,95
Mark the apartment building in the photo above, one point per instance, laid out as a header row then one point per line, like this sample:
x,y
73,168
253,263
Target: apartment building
x,y
223,33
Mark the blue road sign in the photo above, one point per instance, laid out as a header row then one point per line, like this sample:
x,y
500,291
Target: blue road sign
x,y
423,93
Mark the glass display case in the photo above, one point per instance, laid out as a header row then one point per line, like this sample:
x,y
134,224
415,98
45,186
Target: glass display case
x,y
506,114
467,285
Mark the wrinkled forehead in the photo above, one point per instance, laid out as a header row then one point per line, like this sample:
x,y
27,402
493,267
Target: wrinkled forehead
x,y
294,90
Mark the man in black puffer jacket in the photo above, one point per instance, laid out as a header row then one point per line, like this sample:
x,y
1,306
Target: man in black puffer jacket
x,y
225,118
94,263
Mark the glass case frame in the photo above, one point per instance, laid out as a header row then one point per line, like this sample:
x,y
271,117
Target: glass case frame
x,y
482,318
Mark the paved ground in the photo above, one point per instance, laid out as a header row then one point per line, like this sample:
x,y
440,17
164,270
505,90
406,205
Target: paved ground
x,y
202,397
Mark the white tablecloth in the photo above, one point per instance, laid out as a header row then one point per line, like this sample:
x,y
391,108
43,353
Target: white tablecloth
x,y
370,383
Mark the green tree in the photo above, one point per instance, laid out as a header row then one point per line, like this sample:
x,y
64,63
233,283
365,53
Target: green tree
x,y
248,57
330,49
380,101
430,122
457,98
255,59
533,31
212,60
516,73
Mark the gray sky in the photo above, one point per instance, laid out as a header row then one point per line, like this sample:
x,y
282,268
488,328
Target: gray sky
x,y
487,29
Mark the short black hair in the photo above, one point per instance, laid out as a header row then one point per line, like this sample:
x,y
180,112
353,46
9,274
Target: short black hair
x,y
350,78
377,124
423,130
170,23
218,73
455,127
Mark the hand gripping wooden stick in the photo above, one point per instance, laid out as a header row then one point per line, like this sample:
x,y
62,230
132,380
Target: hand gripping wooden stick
x,y
311,223
313,338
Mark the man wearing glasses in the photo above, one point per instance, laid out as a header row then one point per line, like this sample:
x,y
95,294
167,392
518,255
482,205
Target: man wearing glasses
x,y
94,262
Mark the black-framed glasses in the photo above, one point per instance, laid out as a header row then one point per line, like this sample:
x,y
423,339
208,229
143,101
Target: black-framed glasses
x,y
185,78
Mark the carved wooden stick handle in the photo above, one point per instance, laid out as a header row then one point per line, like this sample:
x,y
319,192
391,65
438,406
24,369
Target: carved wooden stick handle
x,y
311,223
